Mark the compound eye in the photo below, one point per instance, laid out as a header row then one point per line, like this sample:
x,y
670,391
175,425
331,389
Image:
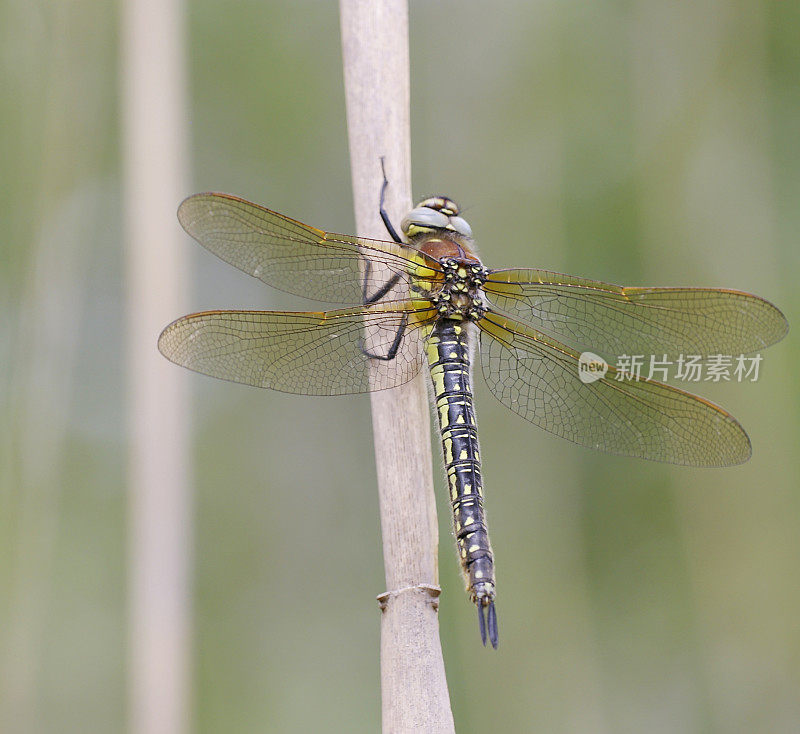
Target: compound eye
x,y
460,225
423,218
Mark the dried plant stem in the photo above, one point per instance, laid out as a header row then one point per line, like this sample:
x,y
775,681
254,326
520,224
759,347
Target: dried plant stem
x,y
155,169
413,684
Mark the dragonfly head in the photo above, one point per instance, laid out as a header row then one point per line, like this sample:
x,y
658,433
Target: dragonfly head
x,y
434,214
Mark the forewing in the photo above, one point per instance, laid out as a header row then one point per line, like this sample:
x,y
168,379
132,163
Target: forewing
x,y
616,320
307,353
292,256
537,377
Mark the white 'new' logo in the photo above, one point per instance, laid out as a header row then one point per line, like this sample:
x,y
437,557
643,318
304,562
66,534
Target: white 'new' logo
x,y
591,367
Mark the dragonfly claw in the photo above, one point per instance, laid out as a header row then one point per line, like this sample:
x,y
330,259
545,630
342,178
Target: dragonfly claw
x,y
492,624
487,622
482,623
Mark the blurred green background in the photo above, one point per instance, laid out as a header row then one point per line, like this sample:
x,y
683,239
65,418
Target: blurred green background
x,y
637,142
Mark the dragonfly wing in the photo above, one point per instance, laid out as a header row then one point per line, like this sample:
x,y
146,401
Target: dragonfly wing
x,y
307,353
293,256
537,377
616,320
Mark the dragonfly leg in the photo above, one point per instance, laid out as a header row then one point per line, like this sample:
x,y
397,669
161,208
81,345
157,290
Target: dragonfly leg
x,y
384,216
382,291
392,353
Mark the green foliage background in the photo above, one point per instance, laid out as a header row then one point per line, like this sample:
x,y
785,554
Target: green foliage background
x,y
640,142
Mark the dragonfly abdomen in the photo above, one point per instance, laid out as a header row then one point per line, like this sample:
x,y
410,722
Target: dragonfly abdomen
x,y
448,352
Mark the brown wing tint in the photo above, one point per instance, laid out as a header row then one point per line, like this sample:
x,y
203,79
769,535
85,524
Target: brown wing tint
x,y
615,320
308,353
537,378
292,256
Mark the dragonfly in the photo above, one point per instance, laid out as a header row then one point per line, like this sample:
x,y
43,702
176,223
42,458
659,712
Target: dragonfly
x,y
424,298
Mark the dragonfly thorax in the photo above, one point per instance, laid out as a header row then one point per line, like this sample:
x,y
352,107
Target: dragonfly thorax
x,y
435,228
459,296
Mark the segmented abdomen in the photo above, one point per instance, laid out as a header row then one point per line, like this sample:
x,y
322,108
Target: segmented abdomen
x,y
448,353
